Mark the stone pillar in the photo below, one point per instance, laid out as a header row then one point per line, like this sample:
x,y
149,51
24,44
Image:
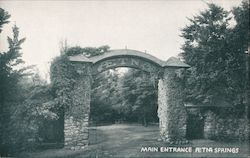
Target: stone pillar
x,y
171,111
77,115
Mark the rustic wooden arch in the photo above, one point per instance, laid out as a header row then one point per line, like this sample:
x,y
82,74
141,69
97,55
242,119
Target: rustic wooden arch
x,y
172,125
125,58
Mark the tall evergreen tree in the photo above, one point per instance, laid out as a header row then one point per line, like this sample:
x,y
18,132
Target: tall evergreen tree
x,y
10,74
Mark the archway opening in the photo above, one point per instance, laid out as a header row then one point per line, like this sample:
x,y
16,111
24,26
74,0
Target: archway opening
x,y
123,99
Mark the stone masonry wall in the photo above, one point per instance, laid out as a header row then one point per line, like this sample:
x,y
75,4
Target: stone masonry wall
x,y
76,133
77,116
221,128
171,111
209,125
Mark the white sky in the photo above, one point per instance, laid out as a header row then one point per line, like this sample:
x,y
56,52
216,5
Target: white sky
x,y
153,26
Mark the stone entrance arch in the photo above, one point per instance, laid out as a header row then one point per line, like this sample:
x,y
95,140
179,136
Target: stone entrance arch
x,y
171,111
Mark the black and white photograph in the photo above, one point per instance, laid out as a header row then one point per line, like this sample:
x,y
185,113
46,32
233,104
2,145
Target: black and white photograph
x,y
124,79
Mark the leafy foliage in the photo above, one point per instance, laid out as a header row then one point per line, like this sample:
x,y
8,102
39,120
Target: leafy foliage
x,y
216,53
139,96
105,96
63,73
25,102
124,96
10,76
15,126
87,51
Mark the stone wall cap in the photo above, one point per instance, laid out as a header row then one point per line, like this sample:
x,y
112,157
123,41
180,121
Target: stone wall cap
x,y
175,62
79,58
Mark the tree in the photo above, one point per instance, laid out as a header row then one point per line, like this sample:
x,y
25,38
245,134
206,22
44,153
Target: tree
x,y
24,101
105,97
217,68
240,44
4,16
138,97
9,60
10,75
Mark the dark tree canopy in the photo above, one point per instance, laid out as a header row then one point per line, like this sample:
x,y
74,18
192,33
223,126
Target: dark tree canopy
x,y
216,52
